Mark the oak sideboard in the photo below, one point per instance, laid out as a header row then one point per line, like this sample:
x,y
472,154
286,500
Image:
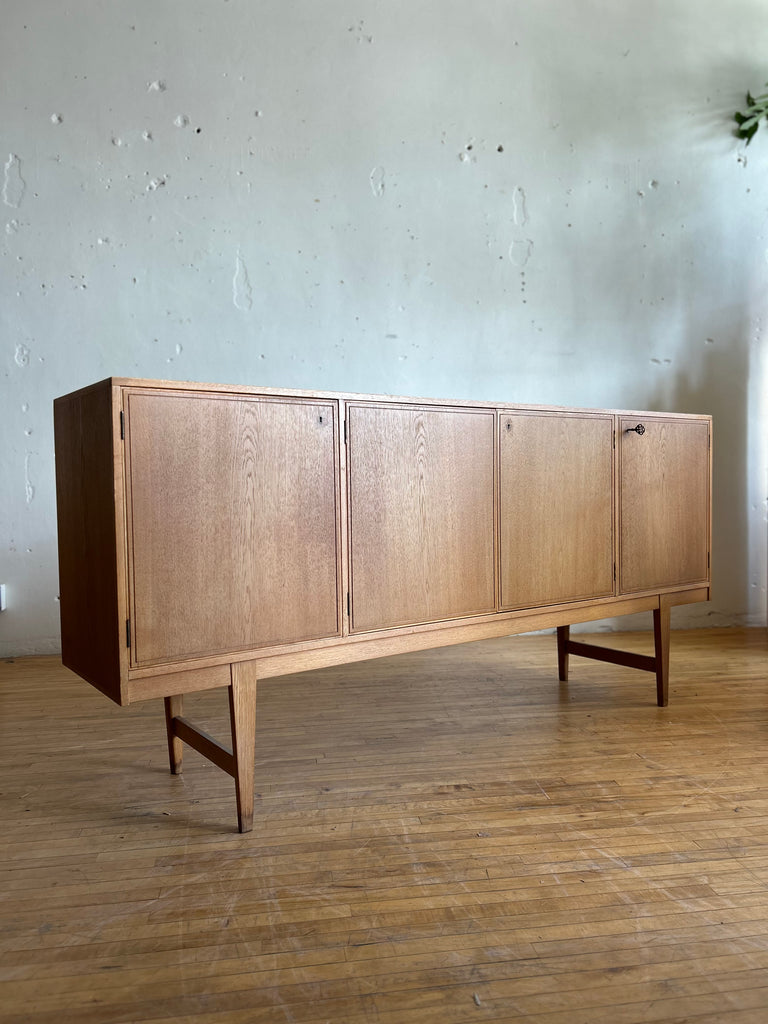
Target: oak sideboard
x,y
211,536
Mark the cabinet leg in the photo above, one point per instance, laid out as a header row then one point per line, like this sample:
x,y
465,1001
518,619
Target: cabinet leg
x,y
173,709
563,635
661,621
242,712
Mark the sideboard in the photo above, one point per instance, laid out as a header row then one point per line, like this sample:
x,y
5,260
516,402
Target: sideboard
x,y
211,536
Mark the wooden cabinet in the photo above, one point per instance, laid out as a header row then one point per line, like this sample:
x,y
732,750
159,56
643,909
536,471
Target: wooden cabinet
x,y
555,508
421,514
213,536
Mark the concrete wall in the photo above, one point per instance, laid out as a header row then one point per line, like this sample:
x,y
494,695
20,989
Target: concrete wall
x,y
536,202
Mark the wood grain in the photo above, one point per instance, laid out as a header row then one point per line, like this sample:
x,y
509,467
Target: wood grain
x,y
484,844
662,621
421,514
234,526
242,720
174,708
556,508
91,626
664,502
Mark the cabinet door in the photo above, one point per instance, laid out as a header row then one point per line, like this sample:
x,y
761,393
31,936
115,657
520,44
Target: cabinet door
x,y
421,485
233,525
664,503
556,508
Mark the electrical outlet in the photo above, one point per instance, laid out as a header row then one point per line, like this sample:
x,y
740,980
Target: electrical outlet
x,y
2,597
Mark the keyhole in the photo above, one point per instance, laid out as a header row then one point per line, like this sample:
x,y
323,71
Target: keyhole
x,y
509,424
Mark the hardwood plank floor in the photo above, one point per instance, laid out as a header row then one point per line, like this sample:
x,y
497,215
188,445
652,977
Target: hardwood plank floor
x,y
442,837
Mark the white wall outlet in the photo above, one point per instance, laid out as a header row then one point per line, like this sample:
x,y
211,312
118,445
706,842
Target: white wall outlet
x,y
2,597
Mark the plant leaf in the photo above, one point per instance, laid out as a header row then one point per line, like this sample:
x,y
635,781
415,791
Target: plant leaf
x,y
746,134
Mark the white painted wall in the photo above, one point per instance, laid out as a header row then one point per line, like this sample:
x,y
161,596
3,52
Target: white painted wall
x,y
536,202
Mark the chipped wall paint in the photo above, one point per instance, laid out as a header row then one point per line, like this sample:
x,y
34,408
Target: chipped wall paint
x,y
13,183
377,182
242,293
525,202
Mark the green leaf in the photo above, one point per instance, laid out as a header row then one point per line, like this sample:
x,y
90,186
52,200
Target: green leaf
x,y
746,134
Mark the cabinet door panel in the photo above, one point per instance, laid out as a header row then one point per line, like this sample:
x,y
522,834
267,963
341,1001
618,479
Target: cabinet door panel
x,y
664,503
233,523
421,514
556,509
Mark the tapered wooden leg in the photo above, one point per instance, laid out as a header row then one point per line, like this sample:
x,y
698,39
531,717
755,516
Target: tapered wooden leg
x,y
173,709
661,620
563,635
242,712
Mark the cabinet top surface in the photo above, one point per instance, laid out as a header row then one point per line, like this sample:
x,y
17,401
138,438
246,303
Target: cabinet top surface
x,y
244,389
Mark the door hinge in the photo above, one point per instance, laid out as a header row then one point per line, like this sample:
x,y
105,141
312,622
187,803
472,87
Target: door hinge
x,y
614,572
614,439
345,431
349,605
122,425
127,632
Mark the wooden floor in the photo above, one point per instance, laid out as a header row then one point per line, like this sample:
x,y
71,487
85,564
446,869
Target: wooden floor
x,y
443,837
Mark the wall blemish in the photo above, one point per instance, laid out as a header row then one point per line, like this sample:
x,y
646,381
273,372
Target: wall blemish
x,y
361,36
519,211
56,119
466,155
242,293
377,182
13,183
29,488
21,356
520,251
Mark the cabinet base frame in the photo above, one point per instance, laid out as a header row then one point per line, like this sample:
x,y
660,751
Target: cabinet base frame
x,y
238,762
657,663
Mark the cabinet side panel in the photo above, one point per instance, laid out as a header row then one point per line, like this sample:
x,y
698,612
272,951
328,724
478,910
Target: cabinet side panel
x,y
85,503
